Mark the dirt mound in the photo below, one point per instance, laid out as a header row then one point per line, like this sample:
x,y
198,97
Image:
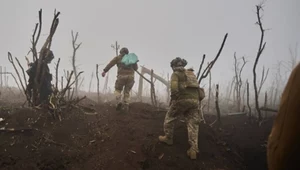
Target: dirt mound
x,y
112,140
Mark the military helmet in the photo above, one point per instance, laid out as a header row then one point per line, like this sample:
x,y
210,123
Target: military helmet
x,y
177,62
124,51
48,54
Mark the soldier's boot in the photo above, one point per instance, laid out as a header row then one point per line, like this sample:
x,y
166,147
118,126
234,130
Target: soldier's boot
x,y
126,107
119,106
118,96
192,154
166,140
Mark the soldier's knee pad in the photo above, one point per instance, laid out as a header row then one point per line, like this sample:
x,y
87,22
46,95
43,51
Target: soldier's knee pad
x,y
117,93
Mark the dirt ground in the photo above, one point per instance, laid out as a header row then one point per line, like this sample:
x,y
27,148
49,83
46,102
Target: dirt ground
x,y
110,140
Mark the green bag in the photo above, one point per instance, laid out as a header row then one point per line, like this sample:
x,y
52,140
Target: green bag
x,y
129,59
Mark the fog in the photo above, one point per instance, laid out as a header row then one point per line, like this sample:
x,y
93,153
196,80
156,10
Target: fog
x,y
157,31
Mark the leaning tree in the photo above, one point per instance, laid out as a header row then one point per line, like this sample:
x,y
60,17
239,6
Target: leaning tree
x,y
57,99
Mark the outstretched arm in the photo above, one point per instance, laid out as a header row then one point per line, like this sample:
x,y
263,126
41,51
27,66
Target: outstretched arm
x,y
110,64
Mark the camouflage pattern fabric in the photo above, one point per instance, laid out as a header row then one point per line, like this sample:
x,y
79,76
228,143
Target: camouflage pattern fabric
x,y
189,109
124,83
122,70
125,78
46,88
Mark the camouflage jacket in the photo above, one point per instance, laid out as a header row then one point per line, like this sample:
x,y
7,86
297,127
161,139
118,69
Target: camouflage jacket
x,y
32,72
177,86
122,70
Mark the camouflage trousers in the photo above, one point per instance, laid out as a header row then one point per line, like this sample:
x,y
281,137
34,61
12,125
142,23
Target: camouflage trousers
x,y
124,83
189,109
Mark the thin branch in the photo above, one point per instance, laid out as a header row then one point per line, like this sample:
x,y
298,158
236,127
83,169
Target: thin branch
x,y
209,67
56,73
201,65
261,47
12,62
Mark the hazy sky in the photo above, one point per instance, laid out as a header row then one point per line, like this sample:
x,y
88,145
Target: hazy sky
x,y
157,31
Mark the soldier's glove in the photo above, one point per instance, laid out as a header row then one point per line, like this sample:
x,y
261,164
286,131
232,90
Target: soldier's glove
x,y
201,94
103,74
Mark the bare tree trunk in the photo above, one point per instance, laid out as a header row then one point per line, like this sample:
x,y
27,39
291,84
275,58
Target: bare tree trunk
x,y
263,79
18,74
248,103
75,48
244,92
69,92
56,74
236,86
209,93
266,103
234,93
62,82
238,81
259,52
97,75
217,105
230,91
211,64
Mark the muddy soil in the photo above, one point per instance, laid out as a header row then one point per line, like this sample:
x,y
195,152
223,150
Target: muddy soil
x,y
110,140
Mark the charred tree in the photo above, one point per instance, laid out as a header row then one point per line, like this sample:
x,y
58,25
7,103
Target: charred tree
x,y
217,106
211,64
248,103
97,76
266,103
238,80
56,74
261,47
75,48
209,92
263,79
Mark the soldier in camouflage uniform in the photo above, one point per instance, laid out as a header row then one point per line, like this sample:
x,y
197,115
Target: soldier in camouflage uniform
x,y
125,78
184,100
46,87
